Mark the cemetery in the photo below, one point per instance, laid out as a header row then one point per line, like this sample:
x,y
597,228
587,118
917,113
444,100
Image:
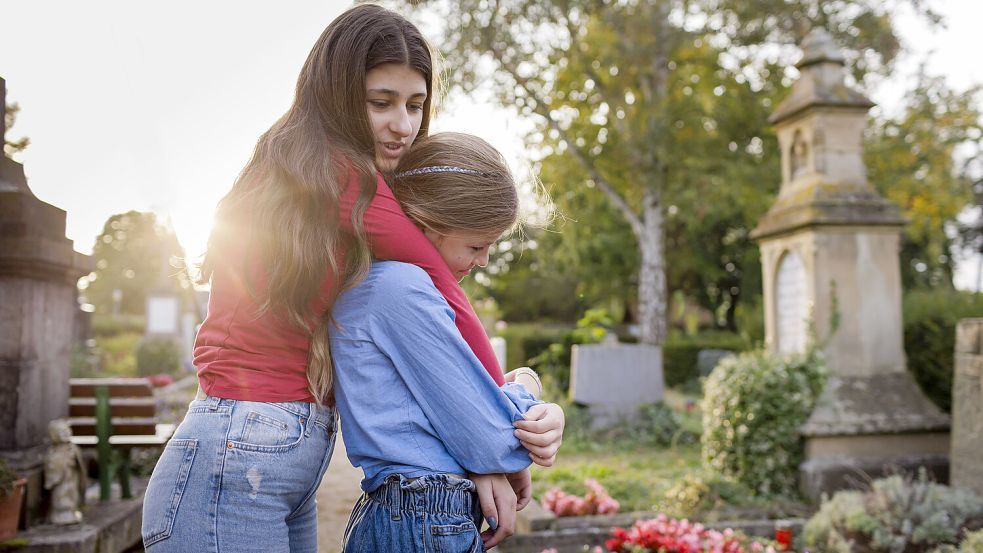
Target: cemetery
x,y
830,402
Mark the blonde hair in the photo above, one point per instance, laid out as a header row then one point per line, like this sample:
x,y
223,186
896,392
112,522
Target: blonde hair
x,y
286,198
453,182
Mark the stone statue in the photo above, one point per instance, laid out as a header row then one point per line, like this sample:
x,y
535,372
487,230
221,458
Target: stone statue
x,y
64,475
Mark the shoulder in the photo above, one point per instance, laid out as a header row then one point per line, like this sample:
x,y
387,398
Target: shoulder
x,y
390,284
396,279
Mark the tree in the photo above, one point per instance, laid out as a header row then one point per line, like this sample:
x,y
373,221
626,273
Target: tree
x,y
136,255
11,147
601,79
912,160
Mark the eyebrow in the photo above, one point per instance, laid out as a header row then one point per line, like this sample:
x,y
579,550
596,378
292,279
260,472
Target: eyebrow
x,y
391,92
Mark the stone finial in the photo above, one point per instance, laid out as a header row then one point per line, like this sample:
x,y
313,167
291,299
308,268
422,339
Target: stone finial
x,y
819,46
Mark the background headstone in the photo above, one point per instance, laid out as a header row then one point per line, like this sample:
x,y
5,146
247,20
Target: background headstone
x,y
613,380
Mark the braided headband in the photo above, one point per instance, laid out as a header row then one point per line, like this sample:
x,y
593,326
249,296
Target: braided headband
x,y
438,169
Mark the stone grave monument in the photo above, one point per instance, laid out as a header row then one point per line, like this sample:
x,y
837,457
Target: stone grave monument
x,y
614,379
967,407
38,304
829,255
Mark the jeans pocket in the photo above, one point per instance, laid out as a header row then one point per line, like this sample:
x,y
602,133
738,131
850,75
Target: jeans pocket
x,y
456,538
165,490
268,428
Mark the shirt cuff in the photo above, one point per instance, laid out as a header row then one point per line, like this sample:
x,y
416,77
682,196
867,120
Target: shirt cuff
x,y
520,397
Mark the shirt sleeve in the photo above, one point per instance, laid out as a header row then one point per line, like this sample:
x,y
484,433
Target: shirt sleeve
x,y
392,236
471,414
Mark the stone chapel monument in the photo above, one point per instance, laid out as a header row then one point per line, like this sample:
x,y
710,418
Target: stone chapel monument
x,y
38,302
829,255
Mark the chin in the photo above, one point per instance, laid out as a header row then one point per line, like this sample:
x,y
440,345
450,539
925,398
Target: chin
x,y
386,164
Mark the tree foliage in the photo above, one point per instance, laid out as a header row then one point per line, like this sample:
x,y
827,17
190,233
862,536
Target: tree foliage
x,y
912,160
134,254
644,106
11,147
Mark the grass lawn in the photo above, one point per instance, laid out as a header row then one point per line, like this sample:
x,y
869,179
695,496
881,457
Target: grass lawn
x,y
638,478
644,476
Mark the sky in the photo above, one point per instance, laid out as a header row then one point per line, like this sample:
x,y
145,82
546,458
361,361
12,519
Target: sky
x,y
157,105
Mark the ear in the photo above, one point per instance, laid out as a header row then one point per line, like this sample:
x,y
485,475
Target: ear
x,y
433,236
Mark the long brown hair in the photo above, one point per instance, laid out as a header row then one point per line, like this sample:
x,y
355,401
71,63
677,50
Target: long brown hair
x,y
285,200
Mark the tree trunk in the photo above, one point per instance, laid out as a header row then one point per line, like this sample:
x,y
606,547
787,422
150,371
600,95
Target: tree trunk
x,y
652,275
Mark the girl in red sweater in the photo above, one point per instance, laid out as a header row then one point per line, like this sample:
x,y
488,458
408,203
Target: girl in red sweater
x,y
301,223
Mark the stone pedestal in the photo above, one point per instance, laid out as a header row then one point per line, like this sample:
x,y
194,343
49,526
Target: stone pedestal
x,y
967,407
38,274
831,275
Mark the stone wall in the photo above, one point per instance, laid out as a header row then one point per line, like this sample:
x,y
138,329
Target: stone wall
x,y
967,407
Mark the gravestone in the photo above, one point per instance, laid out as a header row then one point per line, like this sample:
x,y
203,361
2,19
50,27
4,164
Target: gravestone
x,y
38,305
707,359
829,256
967,407
614,379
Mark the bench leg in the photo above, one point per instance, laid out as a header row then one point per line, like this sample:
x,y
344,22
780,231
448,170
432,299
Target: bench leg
x,y
104,430
124,473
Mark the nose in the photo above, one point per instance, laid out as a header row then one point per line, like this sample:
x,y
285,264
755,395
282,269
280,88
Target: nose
x,y
482,260
400,123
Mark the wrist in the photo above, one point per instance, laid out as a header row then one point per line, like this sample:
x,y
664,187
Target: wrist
x,y
529,379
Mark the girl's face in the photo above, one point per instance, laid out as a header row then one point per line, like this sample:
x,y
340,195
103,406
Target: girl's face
x,y
394,94
462,251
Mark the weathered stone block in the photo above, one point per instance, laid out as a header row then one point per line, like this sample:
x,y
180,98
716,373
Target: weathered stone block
x,y
707,359
613,380
967,407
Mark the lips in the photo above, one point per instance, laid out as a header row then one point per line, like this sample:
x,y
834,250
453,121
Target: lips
x,y
392,150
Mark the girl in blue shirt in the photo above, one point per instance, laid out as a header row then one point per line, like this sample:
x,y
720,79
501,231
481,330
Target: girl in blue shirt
x,y
419,413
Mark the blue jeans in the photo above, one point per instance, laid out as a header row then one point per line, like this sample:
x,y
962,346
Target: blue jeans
x,y
240,476
438,513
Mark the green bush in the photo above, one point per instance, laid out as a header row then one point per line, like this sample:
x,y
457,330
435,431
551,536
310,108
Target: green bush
x,y
753,406
553,363
897,515
524,341
158,355
973,543
930,319
680,352
117,354
109,325
698,493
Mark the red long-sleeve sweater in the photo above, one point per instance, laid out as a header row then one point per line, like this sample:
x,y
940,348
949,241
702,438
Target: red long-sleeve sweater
x,y
242,355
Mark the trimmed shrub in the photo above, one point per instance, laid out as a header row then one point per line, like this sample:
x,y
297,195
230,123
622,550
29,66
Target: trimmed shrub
x,y
696,493
158,355
680,352
117,354
753,406
524,341
897,515
108,325
930,319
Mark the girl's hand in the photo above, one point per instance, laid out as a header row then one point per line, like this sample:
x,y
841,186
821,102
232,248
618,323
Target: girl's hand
x,y
542,432
498,505
522,486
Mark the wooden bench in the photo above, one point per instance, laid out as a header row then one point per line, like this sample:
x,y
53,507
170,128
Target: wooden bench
x,y
114,415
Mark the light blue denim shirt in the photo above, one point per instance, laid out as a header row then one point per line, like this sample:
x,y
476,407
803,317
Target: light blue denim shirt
x,y
413,398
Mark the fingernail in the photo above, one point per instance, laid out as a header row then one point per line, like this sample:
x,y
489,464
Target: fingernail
x,y
493,523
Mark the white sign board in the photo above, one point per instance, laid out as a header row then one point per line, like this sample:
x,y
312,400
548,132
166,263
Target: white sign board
x,y
162,315
792,305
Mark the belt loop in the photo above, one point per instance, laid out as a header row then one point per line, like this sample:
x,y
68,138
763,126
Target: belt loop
x,y
213,402
308,422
